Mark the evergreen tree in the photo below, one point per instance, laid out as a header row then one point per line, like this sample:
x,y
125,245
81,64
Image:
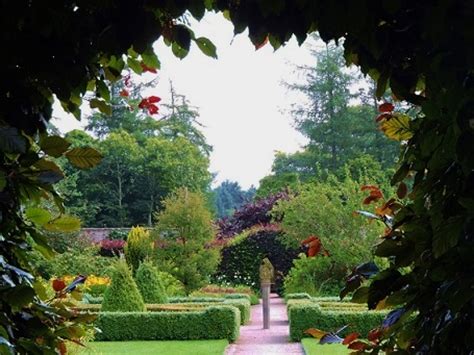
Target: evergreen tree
x,y
149,283
122,295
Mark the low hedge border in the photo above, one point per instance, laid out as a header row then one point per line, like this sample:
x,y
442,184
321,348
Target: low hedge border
x,y
241,301
242,304
297,296
196,300
220,322
305,315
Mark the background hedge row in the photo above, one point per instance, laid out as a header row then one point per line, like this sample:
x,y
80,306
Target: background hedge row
x,y
221,322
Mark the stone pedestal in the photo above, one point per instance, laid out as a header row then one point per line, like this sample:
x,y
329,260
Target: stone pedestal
x,y
266,279
265,290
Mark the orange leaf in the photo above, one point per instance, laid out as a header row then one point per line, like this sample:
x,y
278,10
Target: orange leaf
x,y
386,208
308,240
402,190
316,333
357,345
314,247
386,107
58,285
350,338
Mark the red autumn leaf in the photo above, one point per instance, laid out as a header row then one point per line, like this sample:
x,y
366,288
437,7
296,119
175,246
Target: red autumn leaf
x,y
383,116
146,68
154,99
386,107
152,109
144,103
350,338
402,190
357,345
124,93
58,285
374,334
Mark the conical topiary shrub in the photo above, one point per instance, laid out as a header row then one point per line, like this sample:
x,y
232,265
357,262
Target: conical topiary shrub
x,y
139,247
149,284
122,295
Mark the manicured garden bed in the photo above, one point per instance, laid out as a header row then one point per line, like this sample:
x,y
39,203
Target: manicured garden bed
x,y
195,347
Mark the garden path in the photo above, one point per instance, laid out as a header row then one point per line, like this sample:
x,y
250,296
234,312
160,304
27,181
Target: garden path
x,y
254,340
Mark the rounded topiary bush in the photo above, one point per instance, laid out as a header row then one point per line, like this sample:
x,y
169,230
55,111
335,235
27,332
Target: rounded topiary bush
x,y
149,284
122,295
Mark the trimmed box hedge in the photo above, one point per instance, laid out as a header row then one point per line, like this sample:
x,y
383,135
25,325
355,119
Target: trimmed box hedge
x,y
305,315
242,304
297,296
241,301
220,322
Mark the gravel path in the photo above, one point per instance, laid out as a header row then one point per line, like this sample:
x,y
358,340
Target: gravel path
x,y
254,340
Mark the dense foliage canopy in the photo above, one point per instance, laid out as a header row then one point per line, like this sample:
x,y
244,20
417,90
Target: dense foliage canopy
x,y
422,50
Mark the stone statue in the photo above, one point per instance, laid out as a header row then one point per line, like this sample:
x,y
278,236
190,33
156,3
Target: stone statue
x,y
267,272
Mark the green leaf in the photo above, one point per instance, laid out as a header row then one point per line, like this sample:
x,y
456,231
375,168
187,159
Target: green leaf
x,y
182,36
102,106
400,174
19,296
64,223
134,65
11,140
131,53
178,51
3,180
84,158
382,83
150,59
54,145
447,235
50,177
103,90
361,295
207,47
46,165
38,216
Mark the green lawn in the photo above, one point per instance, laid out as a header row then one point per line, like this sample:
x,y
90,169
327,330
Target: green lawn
x,y
312,347
194,347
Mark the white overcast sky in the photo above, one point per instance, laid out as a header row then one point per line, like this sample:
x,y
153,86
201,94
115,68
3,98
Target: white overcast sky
x,y
239,96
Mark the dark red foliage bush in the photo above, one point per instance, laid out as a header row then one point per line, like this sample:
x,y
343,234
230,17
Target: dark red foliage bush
x,y
110,247
248,215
